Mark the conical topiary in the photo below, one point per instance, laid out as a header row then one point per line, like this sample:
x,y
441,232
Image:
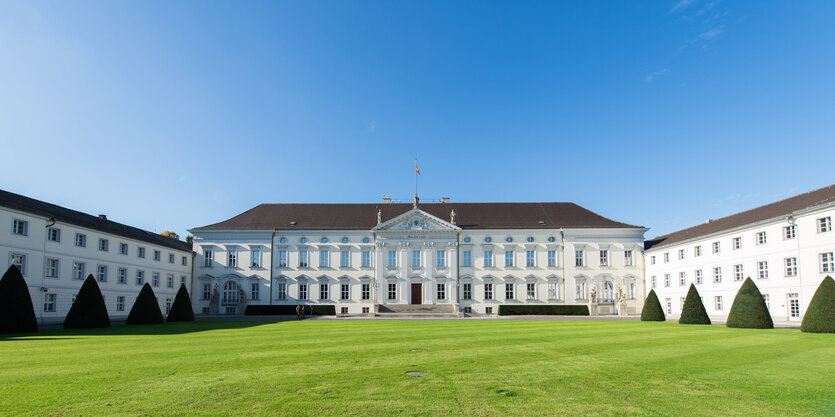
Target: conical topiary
x,y
88,309
145,309
693,311
820,315
652,309
17,315
181,310
749,310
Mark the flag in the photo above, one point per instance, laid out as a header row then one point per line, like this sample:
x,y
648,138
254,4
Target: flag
x,y
416,169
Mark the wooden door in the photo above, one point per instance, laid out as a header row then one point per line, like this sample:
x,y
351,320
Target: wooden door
x,y
417,294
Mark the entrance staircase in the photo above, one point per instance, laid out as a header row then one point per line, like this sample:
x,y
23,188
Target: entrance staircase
x,y
417,311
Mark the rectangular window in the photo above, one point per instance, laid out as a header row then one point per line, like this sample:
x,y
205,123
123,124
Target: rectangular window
x,y
440,258
736,243
140,277
415,259
170,280
604,258
717,274
669,305
366,259
140,252
155,279
666,257
717,301
552,257
653,281
628,258
666,280
303,291
303,258
344,291
53,234
682,279
49,303
827,264
441,290
681,304
467,258
508,258
182,280
715,247
681,254
123,275
697,251
78,270
762,269
120,303
157,255
52,268
366,291
167,305
791,267
580,290
171,258
344,258
553,290
790,232
767,303
231,258
19,260
104,245
530,258
488,258
282,258
101,273
80,240
324,258
531,291
738,274
123,248
488,310
184,261
698,276
652,260
392,258
392,292
255,291
468,291
761,238
632,291
255,255
281,291
488,291
508,291
579,258
207,257
20,227
824,224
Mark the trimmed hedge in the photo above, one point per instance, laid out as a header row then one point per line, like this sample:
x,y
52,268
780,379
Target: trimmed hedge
x,y
290,310
145,309
181,310
749,310
652,309
693,311
820,315
17,315
545,310
88,310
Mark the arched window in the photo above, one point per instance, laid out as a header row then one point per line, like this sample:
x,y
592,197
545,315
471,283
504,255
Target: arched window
x,y
231,294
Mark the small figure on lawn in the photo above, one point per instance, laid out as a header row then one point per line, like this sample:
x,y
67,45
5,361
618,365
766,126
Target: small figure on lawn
x,y
299,311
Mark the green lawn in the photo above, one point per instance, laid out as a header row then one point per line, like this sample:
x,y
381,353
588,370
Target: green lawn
x,y
473,368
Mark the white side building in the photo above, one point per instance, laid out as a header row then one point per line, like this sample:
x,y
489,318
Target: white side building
x,y
471,257
786,247
57,248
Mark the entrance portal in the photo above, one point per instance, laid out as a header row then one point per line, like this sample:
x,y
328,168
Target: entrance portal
x,y
417,293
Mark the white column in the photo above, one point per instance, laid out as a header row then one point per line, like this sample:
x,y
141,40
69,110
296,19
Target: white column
x,y
453,273
379,278
405,286
428,293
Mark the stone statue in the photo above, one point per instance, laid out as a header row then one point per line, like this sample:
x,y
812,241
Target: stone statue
x,y
593,295
379,216
621,295
452,216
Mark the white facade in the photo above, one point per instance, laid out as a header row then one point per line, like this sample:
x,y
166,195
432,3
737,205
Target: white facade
x,y
417,258
787,257
56,257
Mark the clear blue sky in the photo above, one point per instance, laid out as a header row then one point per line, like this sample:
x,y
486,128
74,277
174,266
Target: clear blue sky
x,y
172,115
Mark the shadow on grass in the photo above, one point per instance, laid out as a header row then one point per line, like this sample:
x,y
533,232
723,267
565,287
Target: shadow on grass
x,y
135,330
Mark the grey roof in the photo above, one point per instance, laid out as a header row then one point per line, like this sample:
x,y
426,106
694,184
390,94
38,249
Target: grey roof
x,y
364,216
780,208
77,218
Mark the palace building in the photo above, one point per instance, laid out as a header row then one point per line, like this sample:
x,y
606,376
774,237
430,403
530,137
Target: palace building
x,y
459,257
786,247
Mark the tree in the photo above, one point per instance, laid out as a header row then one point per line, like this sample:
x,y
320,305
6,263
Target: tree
x,y
145,309
693,311
749,310
181,310
652,309
172,235
17,315
88,309
820,315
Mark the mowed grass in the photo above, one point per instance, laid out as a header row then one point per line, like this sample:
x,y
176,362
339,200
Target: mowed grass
x,y
473,368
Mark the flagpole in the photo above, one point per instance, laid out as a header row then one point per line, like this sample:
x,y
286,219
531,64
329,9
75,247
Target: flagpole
x,y
415,177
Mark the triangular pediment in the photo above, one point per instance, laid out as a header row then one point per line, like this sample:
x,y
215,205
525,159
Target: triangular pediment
x,y
416,220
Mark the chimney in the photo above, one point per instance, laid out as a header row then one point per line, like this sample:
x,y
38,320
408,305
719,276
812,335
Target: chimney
x,y
102,217
386,200
445,200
